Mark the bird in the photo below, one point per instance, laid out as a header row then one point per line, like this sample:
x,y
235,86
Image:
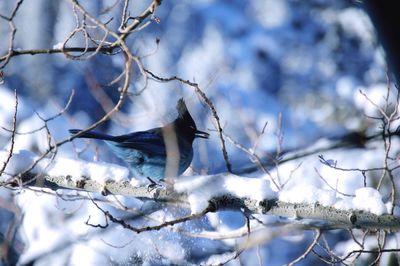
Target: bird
x,y
156,153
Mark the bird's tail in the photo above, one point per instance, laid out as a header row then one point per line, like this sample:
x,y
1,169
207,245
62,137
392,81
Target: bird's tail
x,y
91,135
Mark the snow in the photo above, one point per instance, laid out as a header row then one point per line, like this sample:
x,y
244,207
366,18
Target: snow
x,y
309,195
76,169
18,163
344,247
370,200
219,259
304,59
58,45
314,182
367,198
7,109
201,189
98,171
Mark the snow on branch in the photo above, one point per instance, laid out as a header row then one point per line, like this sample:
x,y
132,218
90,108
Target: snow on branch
x,y
203,193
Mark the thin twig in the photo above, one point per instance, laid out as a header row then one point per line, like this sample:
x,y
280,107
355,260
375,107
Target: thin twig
x,y
14,129
308,250
45,120
335,189
210,105
254,157
149,228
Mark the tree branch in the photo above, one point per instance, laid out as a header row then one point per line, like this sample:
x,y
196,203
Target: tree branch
x,y
316,215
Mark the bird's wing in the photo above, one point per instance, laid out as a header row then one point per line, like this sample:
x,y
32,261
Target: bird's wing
x,y
150,142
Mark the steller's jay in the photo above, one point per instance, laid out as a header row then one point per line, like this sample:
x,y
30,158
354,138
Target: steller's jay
x,y
158,152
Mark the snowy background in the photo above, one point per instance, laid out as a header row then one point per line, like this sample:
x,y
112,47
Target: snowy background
x,y
256,60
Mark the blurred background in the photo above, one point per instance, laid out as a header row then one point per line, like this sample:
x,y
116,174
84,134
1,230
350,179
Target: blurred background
x,y
282,74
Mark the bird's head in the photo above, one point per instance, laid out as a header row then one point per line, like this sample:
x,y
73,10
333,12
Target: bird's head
x,y
185,125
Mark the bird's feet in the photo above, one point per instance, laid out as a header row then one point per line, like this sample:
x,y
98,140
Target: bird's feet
x,y
153,184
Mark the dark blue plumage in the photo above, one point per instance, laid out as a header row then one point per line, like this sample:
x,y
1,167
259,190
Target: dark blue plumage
x,y
146,151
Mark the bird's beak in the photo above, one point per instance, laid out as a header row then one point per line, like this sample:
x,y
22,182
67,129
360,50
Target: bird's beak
x,y
201,134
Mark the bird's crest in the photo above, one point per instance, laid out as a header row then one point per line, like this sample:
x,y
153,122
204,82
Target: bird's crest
x,y
181,108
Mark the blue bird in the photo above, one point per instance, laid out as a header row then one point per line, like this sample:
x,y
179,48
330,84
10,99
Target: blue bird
x,y
158,152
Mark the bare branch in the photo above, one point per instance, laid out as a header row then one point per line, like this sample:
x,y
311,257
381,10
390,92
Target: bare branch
x,y
254,157
326,217
149,228
45,120
14,129
127,29
308,250
335,189
210,105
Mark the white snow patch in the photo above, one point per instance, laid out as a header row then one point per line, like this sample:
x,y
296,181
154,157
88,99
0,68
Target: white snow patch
x,y
58,45
374,96
98,171
369,199
201,189
17,163
308,194
77,169
366,198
